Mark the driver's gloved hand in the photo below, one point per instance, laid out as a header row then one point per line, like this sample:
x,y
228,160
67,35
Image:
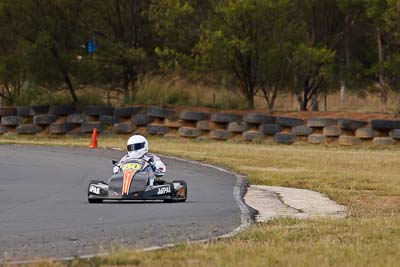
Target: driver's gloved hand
x,y
152,166
151,163
116,169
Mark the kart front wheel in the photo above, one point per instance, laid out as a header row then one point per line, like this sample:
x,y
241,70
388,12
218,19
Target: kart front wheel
x,y
95,200
180,195
90,194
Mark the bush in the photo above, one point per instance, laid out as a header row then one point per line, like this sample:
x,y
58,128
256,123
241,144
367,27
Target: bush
x,y
86,96
175,90
160,90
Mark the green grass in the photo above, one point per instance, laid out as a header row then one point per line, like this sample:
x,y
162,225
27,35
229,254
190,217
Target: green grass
x,y
365,179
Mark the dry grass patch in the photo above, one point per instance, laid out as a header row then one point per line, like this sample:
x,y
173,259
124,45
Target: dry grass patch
x,y
365,179
356,177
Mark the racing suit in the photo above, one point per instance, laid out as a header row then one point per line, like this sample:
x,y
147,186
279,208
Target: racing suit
x,y
155,162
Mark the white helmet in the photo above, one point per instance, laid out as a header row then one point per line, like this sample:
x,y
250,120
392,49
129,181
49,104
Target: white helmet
x,y
137,146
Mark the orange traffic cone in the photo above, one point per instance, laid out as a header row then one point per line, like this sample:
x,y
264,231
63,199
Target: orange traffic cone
x,y
93,143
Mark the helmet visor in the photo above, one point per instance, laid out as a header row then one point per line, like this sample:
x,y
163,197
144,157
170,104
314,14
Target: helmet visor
x,y
134,147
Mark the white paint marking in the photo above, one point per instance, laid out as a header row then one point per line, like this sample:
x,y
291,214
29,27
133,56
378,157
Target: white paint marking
x,y
274,201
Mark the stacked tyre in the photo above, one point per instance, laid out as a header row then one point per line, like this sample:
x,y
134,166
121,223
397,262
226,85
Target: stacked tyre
x,y
61,125
220,123
256,126
124,119
158,116
195,124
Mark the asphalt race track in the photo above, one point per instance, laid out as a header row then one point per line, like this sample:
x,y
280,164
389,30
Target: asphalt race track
x,y
44,210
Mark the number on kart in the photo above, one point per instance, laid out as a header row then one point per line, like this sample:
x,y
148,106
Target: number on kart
x,y
94,189
132,166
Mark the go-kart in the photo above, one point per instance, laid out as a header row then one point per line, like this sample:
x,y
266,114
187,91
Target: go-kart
x,y
132,183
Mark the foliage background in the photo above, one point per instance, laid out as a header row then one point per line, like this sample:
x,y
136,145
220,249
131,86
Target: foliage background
x,y
249,49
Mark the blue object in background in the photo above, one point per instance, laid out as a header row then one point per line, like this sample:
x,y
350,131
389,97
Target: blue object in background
x,y
91,46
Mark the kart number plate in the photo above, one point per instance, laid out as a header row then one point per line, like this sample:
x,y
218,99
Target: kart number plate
x,y
94,189
132,166
164,190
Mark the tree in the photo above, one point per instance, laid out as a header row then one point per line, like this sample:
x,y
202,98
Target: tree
x,y
236,39
322,31
125,37
13,76
50,32
391,64
276,69
374,10
350,54
177,24
312,68
13,70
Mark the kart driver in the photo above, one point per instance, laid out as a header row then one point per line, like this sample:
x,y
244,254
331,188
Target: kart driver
x,y
138,148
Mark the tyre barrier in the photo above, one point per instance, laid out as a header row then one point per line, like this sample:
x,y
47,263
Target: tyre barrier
x,y
257,118
88,127
225,117
108,119
77,118
302,130
28,129
269,129
316,138
127,112
252,135
237,127
98,110
321,122
220,134
161,113
384,141
348,124
39,110
61,128
44,119
189,132
8,112
3,129
395,134
62,110
366,133
284,138
123,128
194,116
289,122
173,122
204,125
199,125
332,131
157,129
141,119
24,111
10,120
385,124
